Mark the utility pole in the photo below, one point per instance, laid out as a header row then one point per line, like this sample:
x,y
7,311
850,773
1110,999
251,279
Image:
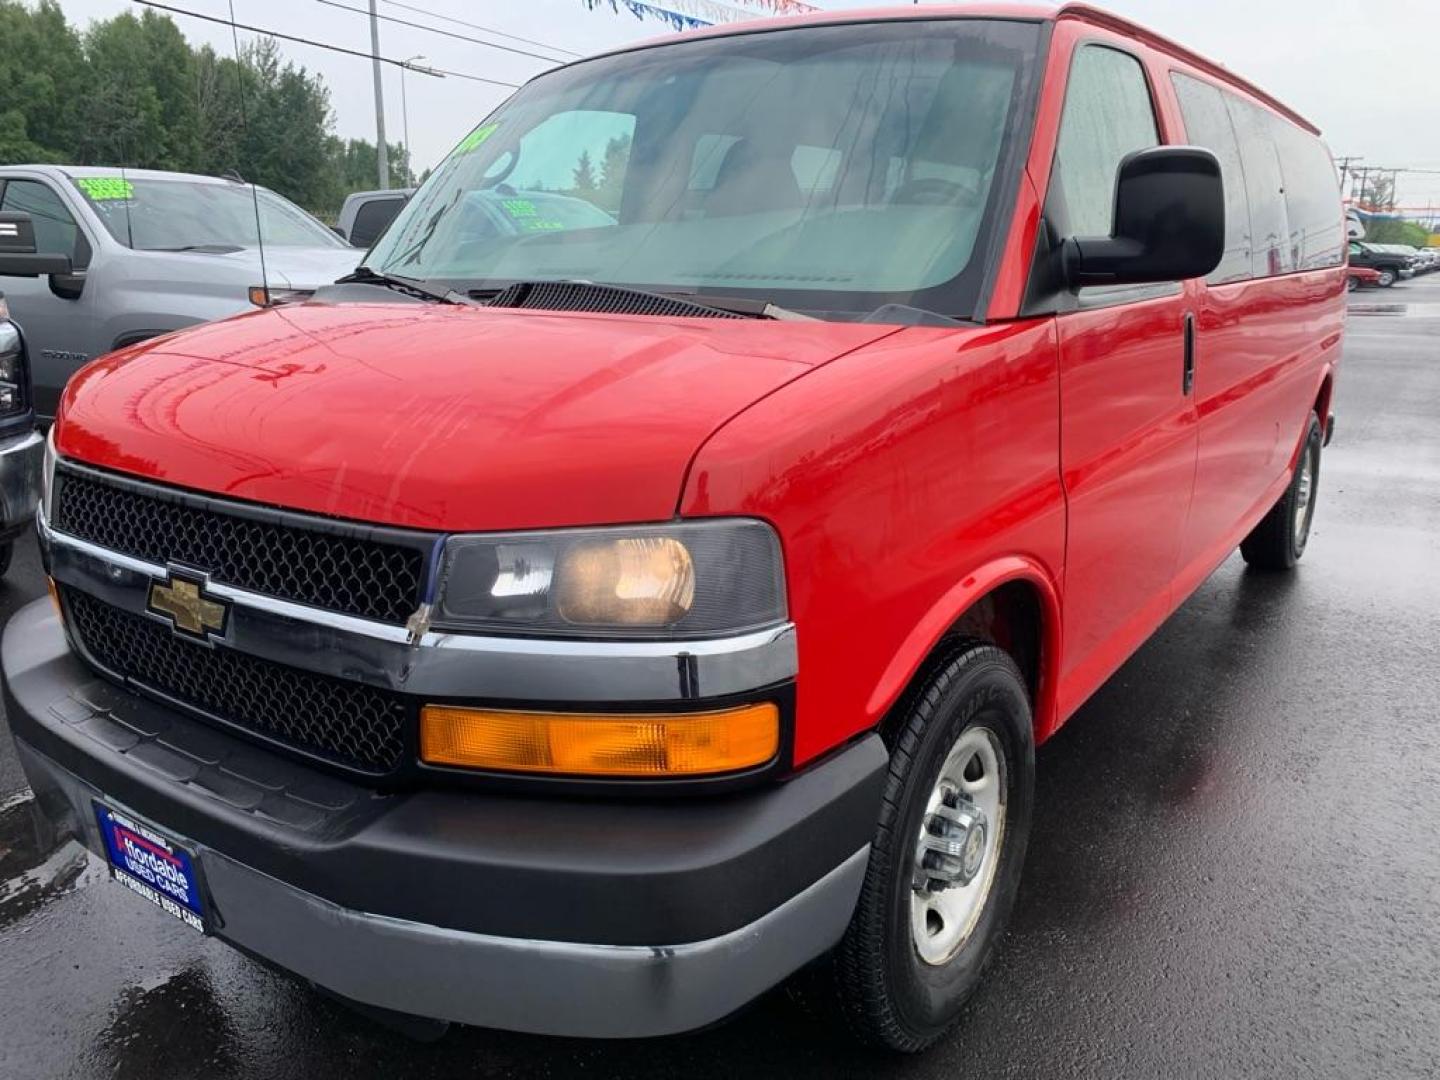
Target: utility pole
x,y
1345,163
382,152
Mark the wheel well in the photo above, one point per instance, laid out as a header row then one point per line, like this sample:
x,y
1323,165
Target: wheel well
x,y
1322,399
1010,616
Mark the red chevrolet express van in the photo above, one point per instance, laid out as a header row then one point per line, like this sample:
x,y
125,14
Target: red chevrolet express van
x,y
653,571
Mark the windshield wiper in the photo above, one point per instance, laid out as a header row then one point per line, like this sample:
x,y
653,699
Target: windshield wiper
x,y
743,305
364,275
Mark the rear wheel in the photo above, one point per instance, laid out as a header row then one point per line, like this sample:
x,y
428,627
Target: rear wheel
x,y
1351,284
1279,540
7,552
946,857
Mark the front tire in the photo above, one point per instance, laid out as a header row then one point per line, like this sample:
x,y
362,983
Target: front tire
x,y
1280,539
1388,277
7,553
947,852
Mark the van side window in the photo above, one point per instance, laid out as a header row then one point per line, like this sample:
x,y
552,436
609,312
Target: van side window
x,y
1207,124
1270,247
371,219
1312,199
55,230
1108,114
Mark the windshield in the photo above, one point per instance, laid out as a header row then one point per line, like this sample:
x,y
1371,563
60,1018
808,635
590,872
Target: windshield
x,y
832,168
167,215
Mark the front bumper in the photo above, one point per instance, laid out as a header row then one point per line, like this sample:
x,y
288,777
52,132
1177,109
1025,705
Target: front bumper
x,y
602,918
21,460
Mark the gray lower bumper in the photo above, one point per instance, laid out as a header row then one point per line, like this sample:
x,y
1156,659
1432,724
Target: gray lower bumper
x,y
21,459
544,987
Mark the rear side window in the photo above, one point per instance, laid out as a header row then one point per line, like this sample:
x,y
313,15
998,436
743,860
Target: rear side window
x,y
371,219
1271,251
1312,198
1108,114
1207,124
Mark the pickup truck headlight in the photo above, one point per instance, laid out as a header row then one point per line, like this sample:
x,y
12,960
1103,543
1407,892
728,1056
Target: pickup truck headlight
x,y
14,378
686,579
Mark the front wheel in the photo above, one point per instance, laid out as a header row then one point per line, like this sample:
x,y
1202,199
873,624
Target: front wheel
x,y
946,857
1279,540
1387,278
7,553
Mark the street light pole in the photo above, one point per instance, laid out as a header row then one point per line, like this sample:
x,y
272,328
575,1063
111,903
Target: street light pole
x,y
382,152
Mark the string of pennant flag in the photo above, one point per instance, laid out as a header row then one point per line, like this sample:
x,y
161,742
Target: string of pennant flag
x,y
692,14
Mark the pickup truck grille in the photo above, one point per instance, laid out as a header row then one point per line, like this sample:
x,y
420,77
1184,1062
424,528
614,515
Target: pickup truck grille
x,y
356,726
370,572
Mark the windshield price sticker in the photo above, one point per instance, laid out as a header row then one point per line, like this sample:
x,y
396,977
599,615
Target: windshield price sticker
x,y
476,138
106,188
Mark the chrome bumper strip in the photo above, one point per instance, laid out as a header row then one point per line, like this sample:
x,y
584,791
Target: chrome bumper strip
x,y
442,664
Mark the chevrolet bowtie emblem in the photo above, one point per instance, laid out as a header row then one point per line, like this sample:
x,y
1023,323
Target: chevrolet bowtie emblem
x,y
189,610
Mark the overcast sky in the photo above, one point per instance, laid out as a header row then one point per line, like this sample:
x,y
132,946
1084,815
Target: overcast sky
x,y
1358,70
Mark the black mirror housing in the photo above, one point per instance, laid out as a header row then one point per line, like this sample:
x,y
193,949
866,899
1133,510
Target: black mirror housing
x,y
18,257
1169,222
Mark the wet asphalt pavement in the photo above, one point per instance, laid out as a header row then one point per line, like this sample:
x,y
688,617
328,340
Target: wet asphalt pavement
x,y
1234,870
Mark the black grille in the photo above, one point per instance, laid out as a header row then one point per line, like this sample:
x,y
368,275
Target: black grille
x,y
605,299
353,725
331,569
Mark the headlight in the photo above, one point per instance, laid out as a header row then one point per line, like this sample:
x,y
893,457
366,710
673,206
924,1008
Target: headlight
x,y
14,382
692,579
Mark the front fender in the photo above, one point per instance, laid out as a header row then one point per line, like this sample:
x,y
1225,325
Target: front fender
x,y
952,606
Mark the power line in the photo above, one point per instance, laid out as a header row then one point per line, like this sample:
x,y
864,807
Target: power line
x,y
477,26
317,44
442,33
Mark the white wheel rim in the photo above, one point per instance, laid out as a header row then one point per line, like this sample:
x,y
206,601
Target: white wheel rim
x,y
943,918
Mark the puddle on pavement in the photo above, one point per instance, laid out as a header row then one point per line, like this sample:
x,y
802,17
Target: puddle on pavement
x,y
35,865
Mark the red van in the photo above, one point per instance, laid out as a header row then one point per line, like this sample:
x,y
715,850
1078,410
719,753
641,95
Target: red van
x,y
579,626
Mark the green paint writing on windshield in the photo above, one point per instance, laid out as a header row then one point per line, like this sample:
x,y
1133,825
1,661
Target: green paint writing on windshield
x,y
105,188
476,138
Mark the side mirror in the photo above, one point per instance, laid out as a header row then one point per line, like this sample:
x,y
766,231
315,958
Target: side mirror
x,y
1169,222
18,257
338,231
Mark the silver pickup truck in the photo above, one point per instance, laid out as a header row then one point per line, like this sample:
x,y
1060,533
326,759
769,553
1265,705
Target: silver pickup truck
x,y
138,253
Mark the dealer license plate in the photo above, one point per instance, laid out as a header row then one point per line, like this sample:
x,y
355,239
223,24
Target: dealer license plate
x,y
151,865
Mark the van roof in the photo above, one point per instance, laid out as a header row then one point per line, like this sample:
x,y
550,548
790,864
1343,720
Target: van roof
x,y
1036,12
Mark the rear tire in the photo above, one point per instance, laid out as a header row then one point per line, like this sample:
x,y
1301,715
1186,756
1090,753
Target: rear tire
x,y
905,967
7,553
1351,284
1280,539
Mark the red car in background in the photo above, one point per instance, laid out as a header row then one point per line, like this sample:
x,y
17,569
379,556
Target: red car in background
x,y
582,629
1357,277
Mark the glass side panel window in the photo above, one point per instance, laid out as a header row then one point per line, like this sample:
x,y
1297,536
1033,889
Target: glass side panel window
x,y
1207,124
1312,198
1270,250
371,219
829,168
55,230
1108,114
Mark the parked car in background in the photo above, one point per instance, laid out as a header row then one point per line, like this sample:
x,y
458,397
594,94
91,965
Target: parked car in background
x,y
145,253
1358,277
365,214
21,446
1391,265
582,625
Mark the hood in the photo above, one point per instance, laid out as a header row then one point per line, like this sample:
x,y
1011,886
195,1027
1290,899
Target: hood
x,y
434,416
308,268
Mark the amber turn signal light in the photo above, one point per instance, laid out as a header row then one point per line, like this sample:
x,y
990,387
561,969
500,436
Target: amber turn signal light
x,y
601,744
